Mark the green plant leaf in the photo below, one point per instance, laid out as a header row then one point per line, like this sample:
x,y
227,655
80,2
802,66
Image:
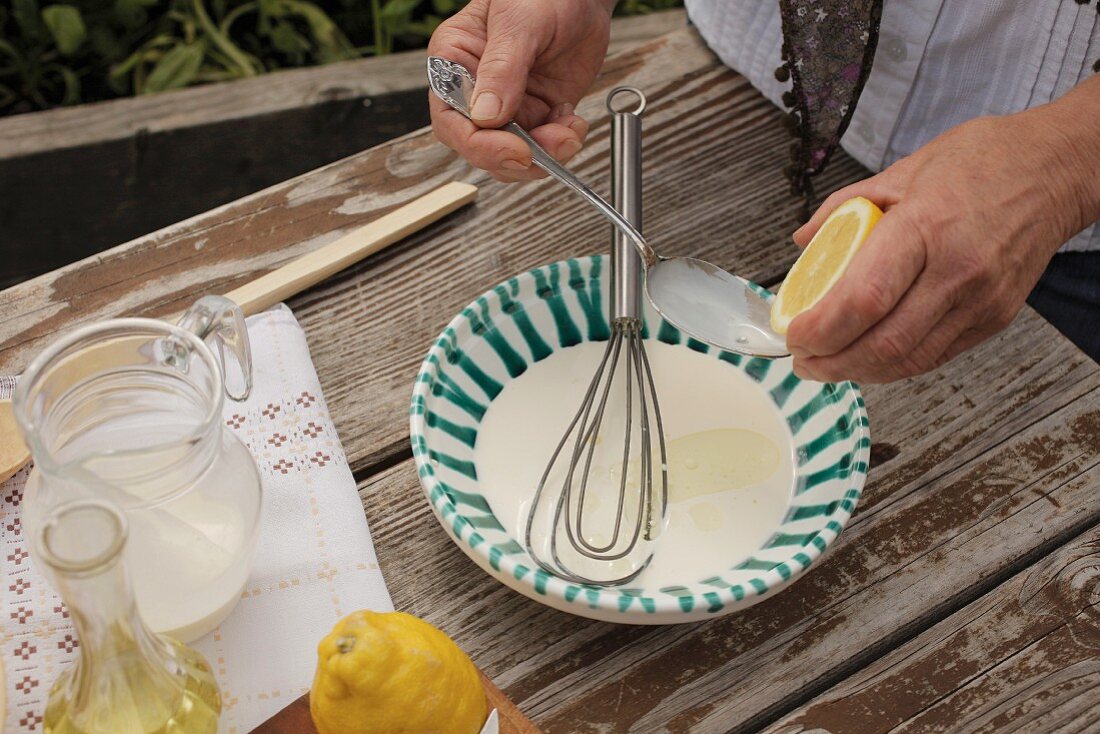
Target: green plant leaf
x,y
288,40
243,62
334,46
398,9
424,28
10,50
70,82
105,43
176,68
66,26
132,13
235,13
26,15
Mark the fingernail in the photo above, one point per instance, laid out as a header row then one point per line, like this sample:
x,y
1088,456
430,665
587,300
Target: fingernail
x,y
486,106
511,165
563,110
568,149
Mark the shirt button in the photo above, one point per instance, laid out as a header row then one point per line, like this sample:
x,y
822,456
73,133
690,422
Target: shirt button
x,y
896,49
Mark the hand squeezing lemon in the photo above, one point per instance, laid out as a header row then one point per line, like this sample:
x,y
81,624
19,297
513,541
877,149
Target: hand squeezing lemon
x,y
824,260
394,674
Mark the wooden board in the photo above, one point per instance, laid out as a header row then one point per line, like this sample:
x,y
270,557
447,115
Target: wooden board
x,y
78,180
296,719
280,91
925,548
709,136
979,470
1021,658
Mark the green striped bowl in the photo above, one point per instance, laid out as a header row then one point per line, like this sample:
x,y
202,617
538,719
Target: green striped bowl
x,y
557,306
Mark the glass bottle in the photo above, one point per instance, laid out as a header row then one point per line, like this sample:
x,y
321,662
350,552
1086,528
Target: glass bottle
x,y
130,411
127,680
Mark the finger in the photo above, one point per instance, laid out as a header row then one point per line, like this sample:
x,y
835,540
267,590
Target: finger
x,y
804,371
491,150
876,279
993,321
502,75
564,114
880,189
506,178
563,134
906,333
927,356
460,38
561,141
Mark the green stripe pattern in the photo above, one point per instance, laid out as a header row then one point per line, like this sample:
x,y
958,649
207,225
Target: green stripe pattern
x,y
523,321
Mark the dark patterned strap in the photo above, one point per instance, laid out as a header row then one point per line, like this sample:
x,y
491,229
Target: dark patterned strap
x,y
828,48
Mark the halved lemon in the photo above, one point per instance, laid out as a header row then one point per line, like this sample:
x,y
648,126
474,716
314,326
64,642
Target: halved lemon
x,y
824,260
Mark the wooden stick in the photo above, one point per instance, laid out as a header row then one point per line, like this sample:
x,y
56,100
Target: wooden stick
x,y
308,270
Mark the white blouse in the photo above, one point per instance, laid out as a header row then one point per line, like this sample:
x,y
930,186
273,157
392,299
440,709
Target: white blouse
x,y
938,63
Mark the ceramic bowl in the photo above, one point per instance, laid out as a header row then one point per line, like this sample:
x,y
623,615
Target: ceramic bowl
x,y
553,307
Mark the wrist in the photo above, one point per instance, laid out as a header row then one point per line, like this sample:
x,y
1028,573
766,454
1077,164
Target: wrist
x,y
1069,132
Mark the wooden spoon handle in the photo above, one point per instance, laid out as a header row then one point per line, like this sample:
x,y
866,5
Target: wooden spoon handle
x,y
311,269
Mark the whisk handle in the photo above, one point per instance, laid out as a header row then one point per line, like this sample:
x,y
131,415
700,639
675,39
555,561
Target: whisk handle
x,y
626,196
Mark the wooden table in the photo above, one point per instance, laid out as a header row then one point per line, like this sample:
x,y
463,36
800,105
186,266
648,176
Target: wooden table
x,y
963,595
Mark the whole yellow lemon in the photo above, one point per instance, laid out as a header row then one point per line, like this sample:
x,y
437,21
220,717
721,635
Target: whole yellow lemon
x,y
392,673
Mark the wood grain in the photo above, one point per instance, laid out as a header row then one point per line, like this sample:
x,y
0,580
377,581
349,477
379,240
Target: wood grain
x,y
1024,657
76,181
309,270
202,106
979,470
929,545
714,155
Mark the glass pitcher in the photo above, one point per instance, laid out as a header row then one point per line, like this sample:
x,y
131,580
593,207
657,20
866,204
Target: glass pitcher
x,y
130,411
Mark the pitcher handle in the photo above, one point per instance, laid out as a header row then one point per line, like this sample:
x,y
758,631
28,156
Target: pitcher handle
x,y
219,321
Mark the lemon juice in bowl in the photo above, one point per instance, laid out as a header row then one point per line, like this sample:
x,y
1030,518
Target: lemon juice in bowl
x,y
129,411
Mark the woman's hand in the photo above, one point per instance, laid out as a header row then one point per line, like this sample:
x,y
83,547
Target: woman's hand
x,y
534,60
971,221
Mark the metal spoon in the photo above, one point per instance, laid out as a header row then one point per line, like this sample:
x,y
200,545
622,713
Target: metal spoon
x,y
702,299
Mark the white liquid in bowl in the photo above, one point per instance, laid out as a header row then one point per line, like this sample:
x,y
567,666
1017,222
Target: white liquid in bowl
x,y
730,455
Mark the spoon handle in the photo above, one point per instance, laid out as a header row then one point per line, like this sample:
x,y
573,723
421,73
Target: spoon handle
x,y
454,84
548,163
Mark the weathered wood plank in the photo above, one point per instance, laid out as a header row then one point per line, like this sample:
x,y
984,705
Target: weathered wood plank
x,y
1022,658
60,206
714,148
939,530
77,181
94,124
980,468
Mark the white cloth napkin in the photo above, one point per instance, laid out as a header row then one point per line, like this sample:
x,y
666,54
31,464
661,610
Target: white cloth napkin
x,y
315,562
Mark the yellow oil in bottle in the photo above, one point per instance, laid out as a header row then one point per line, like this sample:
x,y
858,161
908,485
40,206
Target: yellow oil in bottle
x,y
132,701
127,679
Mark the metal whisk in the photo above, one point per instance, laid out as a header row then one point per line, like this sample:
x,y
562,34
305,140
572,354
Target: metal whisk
x,y
621,546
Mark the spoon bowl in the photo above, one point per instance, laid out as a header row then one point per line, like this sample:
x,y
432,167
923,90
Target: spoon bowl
x,y
700,298
714,306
